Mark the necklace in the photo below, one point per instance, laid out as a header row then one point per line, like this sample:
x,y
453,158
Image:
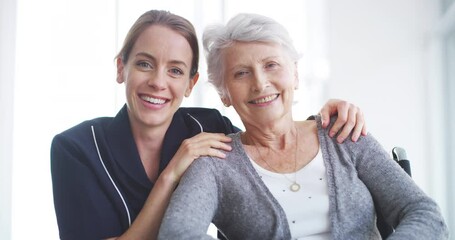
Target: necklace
x,y
295,187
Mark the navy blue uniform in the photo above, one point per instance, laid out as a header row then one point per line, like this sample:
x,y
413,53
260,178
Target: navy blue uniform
x,y
99,182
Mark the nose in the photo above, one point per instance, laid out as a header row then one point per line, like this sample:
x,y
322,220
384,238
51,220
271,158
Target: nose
x,y
260,82
157,80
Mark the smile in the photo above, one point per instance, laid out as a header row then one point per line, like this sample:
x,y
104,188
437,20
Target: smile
x,y
264,99
153,100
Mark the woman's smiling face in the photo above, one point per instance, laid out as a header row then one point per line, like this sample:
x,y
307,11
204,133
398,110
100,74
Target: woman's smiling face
x,y
260,79
156,76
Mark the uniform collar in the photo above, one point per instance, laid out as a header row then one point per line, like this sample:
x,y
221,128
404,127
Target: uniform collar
x,y
125,150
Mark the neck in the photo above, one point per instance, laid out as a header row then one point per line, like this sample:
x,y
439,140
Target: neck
x,y
277,152
149,141
279,138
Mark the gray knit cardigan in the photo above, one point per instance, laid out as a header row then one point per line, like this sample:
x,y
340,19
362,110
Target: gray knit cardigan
x,y
230,193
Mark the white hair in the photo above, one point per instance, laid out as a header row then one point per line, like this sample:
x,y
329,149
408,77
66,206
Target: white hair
x,y
244,27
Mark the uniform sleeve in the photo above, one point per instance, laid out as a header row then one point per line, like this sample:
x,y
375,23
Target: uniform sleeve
x,y
404,205
231,128
192,205
82,206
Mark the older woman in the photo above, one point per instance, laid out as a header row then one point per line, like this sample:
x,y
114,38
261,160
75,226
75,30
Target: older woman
x,y
287,179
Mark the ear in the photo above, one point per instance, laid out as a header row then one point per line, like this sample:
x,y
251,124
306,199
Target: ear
x,y
193,82
120,68
226,100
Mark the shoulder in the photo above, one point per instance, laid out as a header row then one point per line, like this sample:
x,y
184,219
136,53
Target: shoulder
x,y
210,120
199,110
202,171
83,130
202,114
323,133
365,145
234,158
76,144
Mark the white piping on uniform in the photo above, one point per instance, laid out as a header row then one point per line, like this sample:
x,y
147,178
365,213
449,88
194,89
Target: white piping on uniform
x,y
109,175
200,126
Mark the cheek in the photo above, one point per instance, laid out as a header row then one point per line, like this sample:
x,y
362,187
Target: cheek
x,y
129,90
288,80
179,87
231,89
239,94
131,82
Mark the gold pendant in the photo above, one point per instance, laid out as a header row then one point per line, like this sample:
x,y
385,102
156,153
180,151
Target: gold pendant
x,y
295,187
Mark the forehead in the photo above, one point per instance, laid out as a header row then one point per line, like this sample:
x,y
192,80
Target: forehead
x,y
163,43
243,52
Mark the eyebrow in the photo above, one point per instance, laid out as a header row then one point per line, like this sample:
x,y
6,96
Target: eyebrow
x,y
149,56
268,58
239,66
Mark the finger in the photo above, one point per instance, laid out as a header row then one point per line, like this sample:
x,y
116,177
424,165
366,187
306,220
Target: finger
x,y
207,151
219,145
360,122
343,114
348,126
203,146
216,153
328,109
364,129
325,116
215,136
215,140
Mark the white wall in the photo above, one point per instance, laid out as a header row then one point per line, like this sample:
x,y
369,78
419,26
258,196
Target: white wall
x,y
7,43
65,53
379,59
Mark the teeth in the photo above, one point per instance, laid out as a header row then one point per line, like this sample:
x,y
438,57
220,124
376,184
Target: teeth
x,y
153,100
264,100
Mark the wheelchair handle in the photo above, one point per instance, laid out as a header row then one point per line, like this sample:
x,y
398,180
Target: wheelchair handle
x,y
399,155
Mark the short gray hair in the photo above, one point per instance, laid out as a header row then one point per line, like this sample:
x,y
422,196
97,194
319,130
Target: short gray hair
x,y
244,27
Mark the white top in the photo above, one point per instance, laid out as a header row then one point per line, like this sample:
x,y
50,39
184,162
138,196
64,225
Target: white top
x,y
307,210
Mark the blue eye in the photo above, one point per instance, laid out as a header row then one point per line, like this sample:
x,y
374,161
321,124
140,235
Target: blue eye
x,y
143,64
176,71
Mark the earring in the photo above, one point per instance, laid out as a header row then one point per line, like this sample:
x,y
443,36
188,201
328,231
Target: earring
x,y
226,105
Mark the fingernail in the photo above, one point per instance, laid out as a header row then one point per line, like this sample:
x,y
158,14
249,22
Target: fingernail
x,y
331,134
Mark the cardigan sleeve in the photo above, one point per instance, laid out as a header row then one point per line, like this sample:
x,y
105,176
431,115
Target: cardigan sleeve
x,y
404,205
193,204
82,207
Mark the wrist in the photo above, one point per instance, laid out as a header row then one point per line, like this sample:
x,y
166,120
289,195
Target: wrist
x,y
167,179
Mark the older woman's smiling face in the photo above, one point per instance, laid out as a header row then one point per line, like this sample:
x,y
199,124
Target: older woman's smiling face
x,y
260,79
